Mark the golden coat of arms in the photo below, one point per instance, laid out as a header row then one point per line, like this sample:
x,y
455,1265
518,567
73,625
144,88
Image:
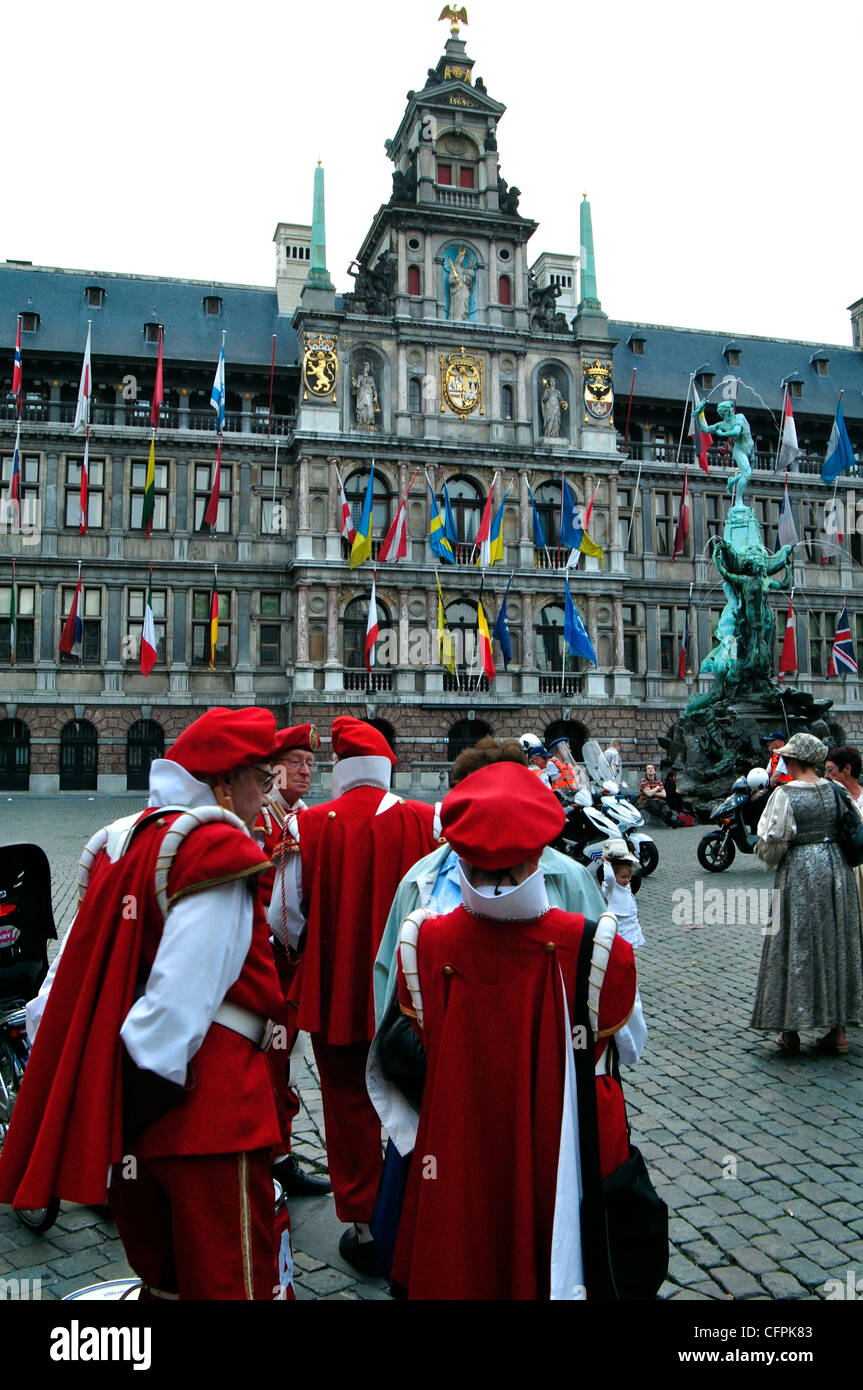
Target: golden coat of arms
x,y
461,383
320,367
598,391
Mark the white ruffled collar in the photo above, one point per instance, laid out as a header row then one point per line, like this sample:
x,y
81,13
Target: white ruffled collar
x,y
523,903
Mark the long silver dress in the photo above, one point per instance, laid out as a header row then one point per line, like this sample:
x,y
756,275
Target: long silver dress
x,y
811,973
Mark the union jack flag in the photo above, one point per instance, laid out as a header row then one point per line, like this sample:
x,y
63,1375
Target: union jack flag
x,y
843,647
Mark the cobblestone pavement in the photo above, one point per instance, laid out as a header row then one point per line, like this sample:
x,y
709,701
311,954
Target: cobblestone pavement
x,y
759,1156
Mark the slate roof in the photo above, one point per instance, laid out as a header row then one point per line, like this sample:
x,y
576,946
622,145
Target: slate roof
x,y
249,316
670,354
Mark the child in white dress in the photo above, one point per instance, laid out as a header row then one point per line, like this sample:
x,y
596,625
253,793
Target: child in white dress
x,y
618,867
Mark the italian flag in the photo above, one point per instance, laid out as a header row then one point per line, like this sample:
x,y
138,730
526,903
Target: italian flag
x,y
150,489
148,636
371,628
485,655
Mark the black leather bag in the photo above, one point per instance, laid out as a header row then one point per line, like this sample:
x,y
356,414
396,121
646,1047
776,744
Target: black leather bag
x,y
850,834
624,1220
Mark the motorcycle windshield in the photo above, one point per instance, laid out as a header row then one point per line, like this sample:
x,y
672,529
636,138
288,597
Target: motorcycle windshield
x,y
598,766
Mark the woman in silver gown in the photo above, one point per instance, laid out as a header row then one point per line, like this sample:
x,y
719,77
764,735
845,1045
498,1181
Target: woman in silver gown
x,y
811,974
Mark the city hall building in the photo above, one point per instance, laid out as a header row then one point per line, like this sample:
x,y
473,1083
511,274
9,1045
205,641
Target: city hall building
x,y
463,353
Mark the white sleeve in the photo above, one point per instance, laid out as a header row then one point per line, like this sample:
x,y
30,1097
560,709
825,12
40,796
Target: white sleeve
x,y
205,940
776,828
287,897
36,1007
632,1037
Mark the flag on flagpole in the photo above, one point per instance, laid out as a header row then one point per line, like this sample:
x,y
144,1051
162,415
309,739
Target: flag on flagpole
x,y
347,531
445,644
217,395
214,618
538,532
501,630
361,547
843,646
483,535
682,528
840,455
148,635
788,660
485,656
17,378
13,496
371,628
495,540
573,528
575,634
701,438
437,532
684,645
85,391
786,531
158,389
149,507
449,526
12,618
211,515
85,475
72,636
788,447
395,546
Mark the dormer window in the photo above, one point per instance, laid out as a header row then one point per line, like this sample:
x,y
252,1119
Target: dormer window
x,y
95,296
212,305
820,363
705,381
151,332
30,322
731,353
636,342
795,389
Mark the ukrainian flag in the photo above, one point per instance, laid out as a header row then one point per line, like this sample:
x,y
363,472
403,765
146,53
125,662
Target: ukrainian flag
x,y
437,533
362,546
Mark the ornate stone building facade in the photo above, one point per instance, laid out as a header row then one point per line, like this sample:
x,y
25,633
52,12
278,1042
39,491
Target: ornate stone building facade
x,y
457,356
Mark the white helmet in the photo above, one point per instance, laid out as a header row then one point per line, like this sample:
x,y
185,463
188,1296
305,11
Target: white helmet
x,y
529,741
757,778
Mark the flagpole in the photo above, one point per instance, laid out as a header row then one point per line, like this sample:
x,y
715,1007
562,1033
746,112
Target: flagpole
x,y
634,504
275,474
685,408
781,428
629,408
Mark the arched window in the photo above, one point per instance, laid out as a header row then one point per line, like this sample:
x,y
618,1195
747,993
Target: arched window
x,y
79,756
355,491
415,395
507,402
414,280
14,756
467,503
144,742
547,498
504,289
460,618
464,734
354,623
549,639
578,734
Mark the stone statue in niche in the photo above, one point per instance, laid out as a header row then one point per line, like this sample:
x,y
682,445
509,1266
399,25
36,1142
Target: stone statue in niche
x,y
366,390
462,273
553,406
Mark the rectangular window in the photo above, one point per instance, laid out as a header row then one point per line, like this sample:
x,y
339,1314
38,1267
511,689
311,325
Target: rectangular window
x,y
632,634
671,621
820,643
204,473
714,520
95,492
25,624
466,176
139,487
201,608
136,601
28,476
629,530
90,612
663,522
270,631
444,173
414,280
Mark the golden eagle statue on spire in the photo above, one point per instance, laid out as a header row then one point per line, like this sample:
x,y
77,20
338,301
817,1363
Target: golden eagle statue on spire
x,y
456,17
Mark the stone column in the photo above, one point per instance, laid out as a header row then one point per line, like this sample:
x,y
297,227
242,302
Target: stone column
x,y
333,679
619,663
524,411
528,644
404,628
429,281
402,271
591,621
431,398
519,276
305,549
334,519
494,404
614,524
302,625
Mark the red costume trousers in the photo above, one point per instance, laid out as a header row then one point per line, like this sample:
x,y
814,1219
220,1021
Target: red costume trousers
x,y
199,1226
279,1058
353,1128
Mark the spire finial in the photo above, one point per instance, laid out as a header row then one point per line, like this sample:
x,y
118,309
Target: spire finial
x,y
318,274
456,17
589,296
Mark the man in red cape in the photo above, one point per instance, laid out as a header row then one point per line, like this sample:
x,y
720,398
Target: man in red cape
x,y
353,852
147,1059
492,1208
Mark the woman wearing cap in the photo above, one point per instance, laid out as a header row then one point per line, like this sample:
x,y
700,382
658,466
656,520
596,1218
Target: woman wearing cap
x,y
492,1204
811,974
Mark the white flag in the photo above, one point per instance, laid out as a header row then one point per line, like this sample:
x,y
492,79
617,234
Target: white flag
x,y
788,447
85,391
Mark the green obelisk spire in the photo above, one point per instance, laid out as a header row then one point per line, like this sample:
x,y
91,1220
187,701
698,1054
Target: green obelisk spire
x,y
318,275
589,297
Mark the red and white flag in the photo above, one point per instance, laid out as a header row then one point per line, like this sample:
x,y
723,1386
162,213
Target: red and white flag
x,y
148,636
788,660
788,448
682,530
85,474
348,529
483,535
211,515
395,543
702,441
371,628
72,636
16,373
85,392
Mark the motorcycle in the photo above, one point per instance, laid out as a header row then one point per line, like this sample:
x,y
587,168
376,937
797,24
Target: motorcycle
x,y
26,924
737,818
592,814
626,818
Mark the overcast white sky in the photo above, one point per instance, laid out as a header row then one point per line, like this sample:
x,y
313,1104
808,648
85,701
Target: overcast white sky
x,y
720,146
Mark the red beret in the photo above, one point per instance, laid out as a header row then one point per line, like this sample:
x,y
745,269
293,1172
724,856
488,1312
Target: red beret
x,y
223,739
500,816
354,738
303,736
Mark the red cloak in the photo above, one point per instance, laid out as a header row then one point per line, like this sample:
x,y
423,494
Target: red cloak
x,y
479,1209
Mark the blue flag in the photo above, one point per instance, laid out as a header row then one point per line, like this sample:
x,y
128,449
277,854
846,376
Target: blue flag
x,y
571,519
840,455
437,533
217,395
449,526
501,630
574,631
538,533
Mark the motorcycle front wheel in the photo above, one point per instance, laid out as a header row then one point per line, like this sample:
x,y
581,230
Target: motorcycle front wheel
x,y
648,856
716,852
